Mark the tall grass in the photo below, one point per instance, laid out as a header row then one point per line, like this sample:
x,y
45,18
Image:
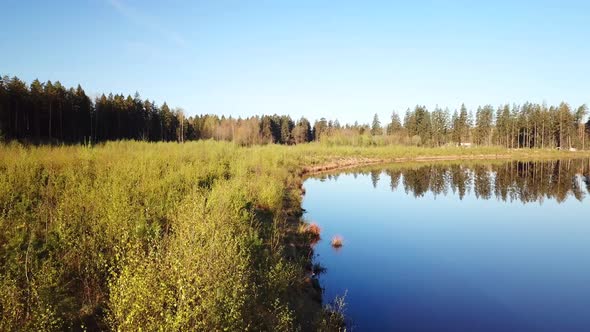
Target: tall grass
x,y
131,235
160,236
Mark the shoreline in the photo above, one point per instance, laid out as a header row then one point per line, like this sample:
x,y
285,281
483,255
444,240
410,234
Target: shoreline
x,y
354,162
359,162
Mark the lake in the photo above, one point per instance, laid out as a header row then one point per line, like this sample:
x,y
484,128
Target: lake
x,y
502,246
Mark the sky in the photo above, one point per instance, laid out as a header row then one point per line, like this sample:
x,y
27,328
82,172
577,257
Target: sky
x,y
345,60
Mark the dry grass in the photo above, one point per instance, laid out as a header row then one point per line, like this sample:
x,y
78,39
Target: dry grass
x,y
314,229
337,241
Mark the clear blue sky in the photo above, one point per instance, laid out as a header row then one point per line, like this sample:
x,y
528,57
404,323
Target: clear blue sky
x,y
339,59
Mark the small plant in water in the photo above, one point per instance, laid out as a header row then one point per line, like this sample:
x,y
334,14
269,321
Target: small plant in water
x,y
317,269
337,241
334,314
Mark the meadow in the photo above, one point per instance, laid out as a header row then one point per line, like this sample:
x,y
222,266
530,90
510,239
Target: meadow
x,y
204,235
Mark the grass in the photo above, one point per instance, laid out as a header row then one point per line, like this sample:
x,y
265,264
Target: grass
x,y
314,230
337,241
164,236
130,235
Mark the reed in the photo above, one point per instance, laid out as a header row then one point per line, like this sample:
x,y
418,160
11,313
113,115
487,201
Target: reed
x,y
314,229
337,241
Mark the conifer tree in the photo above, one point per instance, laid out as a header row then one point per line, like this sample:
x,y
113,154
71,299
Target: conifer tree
x,y
376,126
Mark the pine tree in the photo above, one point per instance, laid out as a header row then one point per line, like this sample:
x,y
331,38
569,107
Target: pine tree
x,y
286,128
395,125
302,131
463,124
4,109
37,105
483,125
376,126
440,126
580,114
320,128
266,130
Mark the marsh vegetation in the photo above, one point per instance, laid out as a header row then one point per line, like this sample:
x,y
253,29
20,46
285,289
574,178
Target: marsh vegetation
x,y
203,235
154,236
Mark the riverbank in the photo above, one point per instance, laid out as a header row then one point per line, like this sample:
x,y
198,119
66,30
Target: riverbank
x,y
154,236
346,163
336,163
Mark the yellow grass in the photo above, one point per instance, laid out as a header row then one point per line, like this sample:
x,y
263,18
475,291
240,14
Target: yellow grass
x,y
337,241
132,235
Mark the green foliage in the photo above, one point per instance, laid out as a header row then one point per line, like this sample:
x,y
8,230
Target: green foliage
x,y
164,236
130,235
51,113
395,126
484,120
376,126
333,318
178,286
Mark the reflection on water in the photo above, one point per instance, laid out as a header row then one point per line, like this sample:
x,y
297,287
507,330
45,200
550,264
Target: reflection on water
x,y
500,246
529,181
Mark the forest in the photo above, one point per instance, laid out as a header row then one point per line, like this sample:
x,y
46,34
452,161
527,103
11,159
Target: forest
x,y
52,113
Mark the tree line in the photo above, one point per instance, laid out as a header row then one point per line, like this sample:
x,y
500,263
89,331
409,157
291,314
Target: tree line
x,y
50,112
528,125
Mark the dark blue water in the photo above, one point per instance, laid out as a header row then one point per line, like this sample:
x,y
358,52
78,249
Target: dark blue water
x,y
457,248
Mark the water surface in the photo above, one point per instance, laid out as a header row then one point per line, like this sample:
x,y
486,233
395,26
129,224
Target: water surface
x,y
451,247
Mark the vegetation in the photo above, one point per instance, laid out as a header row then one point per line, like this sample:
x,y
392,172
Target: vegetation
x,y
50,112
314,229
337,241
163,236
130,235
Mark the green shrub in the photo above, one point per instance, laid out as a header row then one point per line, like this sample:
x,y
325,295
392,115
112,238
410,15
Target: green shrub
x,y
163,236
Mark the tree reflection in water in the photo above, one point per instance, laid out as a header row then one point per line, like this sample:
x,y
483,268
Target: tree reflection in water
x,y
525,181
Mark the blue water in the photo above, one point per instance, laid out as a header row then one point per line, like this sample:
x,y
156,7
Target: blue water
x,y
438,262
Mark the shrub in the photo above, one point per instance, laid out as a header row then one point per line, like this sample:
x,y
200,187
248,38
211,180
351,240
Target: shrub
x,y
337,241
